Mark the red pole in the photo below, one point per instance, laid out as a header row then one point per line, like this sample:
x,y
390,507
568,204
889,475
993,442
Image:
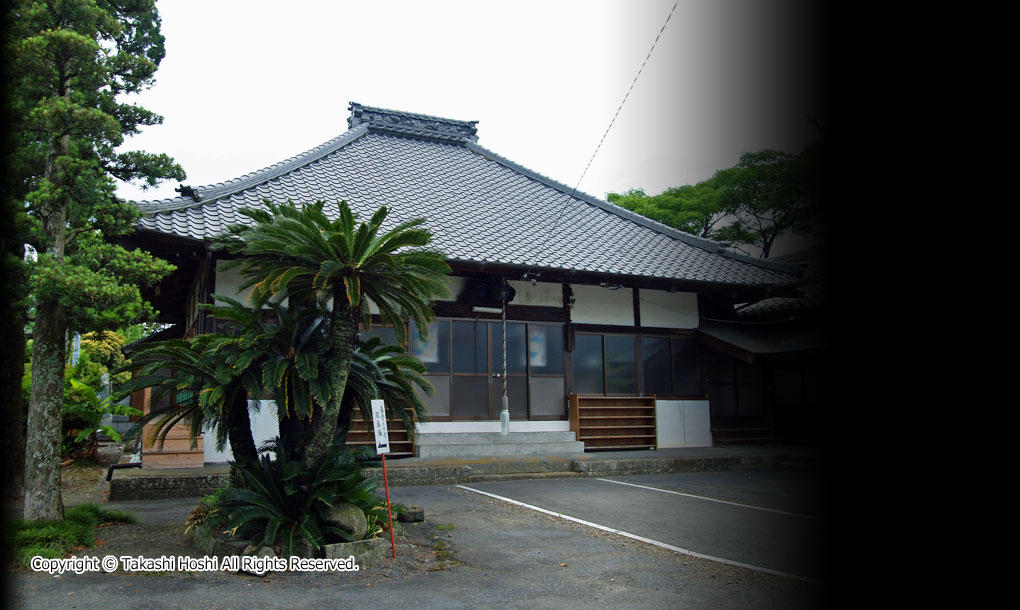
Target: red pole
x,y
386,484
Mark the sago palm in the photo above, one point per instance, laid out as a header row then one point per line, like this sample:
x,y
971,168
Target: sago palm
x,y
214,376
210,386
386,372
299,254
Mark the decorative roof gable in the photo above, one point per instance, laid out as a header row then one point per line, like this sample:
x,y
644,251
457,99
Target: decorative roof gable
x,y
412,125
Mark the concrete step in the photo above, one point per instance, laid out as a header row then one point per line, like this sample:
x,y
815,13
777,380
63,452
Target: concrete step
x,y
495,444
442,438
461,450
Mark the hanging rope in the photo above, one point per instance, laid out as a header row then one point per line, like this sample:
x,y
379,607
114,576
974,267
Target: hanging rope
x,y
504,339
504,418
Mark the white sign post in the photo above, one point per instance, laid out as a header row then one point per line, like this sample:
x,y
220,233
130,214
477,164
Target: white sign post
x,y
382,436
382,447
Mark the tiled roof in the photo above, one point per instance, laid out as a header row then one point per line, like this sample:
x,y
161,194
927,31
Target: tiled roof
x,y
813,291
480,206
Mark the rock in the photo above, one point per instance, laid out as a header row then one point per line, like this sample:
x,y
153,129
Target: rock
x,y
304,548
260,551
366,553
349,518
413,513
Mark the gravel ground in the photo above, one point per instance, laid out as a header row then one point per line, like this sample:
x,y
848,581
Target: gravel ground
x,y
470,552
419,546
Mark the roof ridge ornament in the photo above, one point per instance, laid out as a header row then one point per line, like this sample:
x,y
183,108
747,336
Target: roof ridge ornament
x,y
188,191
412,125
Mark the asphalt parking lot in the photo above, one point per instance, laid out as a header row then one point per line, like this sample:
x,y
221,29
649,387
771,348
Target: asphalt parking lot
x,y
771,521
734,553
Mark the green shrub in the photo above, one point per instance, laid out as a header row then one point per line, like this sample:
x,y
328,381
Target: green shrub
x,y
282,502
64,534
82,414
82,418
54,539
208,512
23,555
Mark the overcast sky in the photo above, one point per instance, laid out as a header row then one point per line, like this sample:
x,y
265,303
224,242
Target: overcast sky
x,y
246,84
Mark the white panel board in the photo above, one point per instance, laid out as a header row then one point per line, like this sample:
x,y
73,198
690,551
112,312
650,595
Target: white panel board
x,y
598,305
683,423
668,309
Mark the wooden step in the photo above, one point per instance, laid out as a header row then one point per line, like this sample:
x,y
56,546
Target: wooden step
x,y
614,422
178,459
177,431
171,445
362,434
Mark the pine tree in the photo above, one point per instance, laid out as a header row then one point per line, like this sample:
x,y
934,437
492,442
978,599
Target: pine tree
x,y
70,62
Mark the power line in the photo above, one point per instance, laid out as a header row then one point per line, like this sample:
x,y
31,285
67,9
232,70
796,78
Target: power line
x,y
618,109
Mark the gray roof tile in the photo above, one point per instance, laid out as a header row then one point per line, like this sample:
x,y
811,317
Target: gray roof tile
x,y
480,206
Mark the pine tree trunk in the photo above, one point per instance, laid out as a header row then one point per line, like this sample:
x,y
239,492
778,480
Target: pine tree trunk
x,y
43,500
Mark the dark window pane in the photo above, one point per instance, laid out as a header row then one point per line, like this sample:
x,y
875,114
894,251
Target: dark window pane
x,y
470,396
434,353
686,371
547,396
722,370
516,353
748,373
588,364
724,400
655,360
161,399
386,334
517,396
470,347
620,376
545,349
439,402
750,399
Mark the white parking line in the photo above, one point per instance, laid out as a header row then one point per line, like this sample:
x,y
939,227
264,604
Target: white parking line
x,y
680,493
636,537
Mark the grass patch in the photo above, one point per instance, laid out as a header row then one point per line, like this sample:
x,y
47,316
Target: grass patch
x,y
55,539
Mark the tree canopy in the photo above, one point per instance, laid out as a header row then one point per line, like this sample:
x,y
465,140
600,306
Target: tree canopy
x,y
767,194
692,208
69,64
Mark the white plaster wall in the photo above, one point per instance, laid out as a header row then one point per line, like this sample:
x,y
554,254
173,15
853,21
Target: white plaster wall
x,y
682,423
542,293
264,427
456,285
228,283
598,305
668,310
